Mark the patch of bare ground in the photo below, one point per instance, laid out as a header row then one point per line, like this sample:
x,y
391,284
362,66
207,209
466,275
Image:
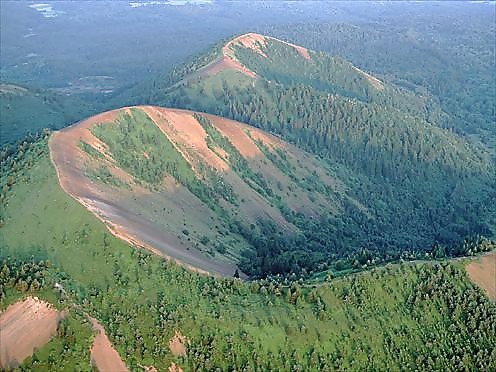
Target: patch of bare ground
x,y
237,136
303,51
228,62
156,219
182,128
175,368
103,354
178,343
24,326
376,83
253,41
482,272
148,368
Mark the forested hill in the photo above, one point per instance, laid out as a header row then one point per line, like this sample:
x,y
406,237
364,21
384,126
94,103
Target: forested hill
x,y
421,183
452,60
25,110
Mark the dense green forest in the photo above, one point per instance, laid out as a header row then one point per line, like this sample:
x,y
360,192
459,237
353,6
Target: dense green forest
x,y
422,183
25,111
411,315
452,60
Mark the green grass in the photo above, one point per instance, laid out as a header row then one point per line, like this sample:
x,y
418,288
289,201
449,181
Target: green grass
x,y
104,175
238,163
90,150
68,350
140,148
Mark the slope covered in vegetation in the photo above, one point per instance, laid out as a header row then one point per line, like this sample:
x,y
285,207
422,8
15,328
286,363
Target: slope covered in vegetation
x,y
453,61
421,183
416,316
26,111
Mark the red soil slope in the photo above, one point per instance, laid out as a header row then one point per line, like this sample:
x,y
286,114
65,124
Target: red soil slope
x,y
252,41
483,273
103,355
24,326
156,219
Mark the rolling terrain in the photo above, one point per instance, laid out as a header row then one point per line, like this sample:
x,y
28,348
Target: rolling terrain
x,y
158,314
420,183
27,111
264,206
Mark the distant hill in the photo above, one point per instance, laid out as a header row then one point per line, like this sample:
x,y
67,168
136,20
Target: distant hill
x,y
421,184
25,111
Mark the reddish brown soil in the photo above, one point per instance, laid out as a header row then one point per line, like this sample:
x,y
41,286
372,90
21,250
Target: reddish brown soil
x,y
175,368
226,62
483,273
137,215
70,162
237,136
103,355
303,51
177,344
24,326
181,127
251,41
149,368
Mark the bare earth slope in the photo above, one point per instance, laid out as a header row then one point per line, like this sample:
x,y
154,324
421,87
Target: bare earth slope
x,y
179,208
103,355
483,273
24,326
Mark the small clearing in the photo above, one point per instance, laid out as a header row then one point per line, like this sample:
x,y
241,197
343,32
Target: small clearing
x,y
175,368
177,344
103,355
483,273
24,326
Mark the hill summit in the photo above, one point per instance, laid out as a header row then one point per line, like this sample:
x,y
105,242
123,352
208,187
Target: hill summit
x,y
196,187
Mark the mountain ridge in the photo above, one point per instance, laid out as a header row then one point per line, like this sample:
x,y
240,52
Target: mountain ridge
x,y
392,145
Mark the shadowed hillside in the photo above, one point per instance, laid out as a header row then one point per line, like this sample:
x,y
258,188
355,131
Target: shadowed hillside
x,y
420,183
381,318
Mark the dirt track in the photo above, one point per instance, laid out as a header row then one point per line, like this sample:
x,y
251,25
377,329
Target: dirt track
x,y
24,326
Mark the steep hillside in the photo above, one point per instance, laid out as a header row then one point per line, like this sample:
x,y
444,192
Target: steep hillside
x,y
421,184
26,111
204,190
425,316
